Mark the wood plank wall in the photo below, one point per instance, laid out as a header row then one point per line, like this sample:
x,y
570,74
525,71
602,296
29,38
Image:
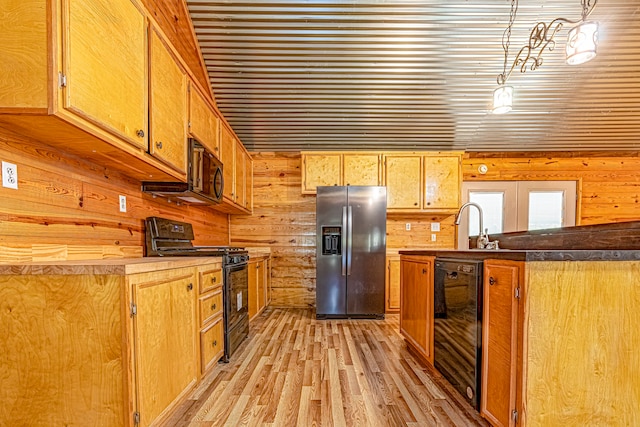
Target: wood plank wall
x,y
67,208
285,220
608,183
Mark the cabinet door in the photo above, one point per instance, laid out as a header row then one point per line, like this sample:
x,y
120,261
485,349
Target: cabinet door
x,y
240,176
362,169
403,180
416,305
204,125
393,285
252,273
441,182
228,157
248,183
320,170
106,68
499,341
262,295
166,362
168,107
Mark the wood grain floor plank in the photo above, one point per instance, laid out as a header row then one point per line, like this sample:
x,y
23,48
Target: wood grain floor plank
x,y
294,370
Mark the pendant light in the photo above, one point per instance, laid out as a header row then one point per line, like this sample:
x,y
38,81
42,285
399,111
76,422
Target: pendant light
x,y
582,41
503,95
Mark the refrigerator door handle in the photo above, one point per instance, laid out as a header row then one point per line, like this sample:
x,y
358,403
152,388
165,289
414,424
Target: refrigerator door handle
x,y
343,258
349,239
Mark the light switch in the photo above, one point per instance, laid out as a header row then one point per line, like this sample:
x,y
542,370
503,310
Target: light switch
x,y
407,226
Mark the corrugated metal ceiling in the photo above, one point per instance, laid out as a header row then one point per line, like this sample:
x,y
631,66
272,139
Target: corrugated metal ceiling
x,y
419,75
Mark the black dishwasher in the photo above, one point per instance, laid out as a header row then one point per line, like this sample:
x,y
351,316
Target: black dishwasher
x,y
457,328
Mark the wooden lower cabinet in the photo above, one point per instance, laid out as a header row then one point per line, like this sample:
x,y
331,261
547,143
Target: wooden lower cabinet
x,y
392,285
416,304
106,344
210,316
164,344
259,285
499,402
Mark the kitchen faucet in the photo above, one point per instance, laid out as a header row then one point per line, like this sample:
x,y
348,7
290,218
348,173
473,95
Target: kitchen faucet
x,y
483,239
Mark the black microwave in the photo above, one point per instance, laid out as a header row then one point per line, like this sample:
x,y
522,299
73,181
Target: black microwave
x,y
205,180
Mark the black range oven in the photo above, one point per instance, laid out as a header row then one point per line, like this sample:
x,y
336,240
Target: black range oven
x,y
165,237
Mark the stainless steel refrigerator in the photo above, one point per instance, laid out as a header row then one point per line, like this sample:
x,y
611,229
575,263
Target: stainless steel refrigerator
x,y
351,236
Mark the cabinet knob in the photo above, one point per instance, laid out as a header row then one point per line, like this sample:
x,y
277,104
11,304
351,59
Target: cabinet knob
x,y
140,133
415,204
190,286
214,343
159,144
492,281
213,279
213,307
424,271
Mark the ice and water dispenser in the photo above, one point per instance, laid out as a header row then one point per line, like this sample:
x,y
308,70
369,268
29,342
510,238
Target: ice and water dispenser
x,y
331,240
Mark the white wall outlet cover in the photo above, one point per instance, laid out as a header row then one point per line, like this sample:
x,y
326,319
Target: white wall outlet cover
x,y
9,175
435,226
123,203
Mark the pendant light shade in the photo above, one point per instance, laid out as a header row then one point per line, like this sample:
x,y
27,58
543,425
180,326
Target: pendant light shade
x,y
502,99
582,43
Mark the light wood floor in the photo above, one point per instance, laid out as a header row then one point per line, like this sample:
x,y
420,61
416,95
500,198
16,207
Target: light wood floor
x,y
296,370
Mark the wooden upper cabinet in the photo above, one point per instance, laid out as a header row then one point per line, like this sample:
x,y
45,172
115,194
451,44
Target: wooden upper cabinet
x,y
240,175
403,177
320,169
502,285
442,181
204,124
24,82
361,169
248,183
228,157
168,107
105,66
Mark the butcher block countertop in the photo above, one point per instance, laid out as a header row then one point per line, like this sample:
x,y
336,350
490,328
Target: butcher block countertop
x,y
533,255
115,266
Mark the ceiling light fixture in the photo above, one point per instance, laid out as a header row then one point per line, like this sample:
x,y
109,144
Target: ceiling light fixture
x,y
581,47
503,95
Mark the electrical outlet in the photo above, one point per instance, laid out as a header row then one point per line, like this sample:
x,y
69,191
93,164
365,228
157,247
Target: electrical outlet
x,y
9,175
435,226
407,226
433,237
123,203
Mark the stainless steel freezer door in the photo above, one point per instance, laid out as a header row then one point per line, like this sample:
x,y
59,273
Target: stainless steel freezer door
x,y
331,285
351,283
367,251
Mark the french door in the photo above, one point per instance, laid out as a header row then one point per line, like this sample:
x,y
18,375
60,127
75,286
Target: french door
x,y
517,206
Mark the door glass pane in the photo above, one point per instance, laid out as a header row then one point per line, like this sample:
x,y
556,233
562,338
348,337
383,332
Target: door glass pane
x,y
492,204
545,209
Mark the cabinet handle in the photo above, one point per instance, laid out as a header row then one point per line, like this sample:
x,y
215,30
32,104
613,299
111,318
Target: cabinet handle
x,y
213,307
424,271
214,343
190,286
492,281
213,279
140,133
159,145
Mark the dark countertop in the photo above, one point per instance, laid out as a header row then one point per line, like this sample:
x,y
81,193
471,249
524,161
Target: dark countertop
x,y
533,255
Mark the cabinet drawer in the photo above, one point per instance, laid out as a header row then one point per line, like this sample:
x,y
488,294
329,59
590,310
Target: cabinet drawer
x,y
210,280
210,306
211,344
